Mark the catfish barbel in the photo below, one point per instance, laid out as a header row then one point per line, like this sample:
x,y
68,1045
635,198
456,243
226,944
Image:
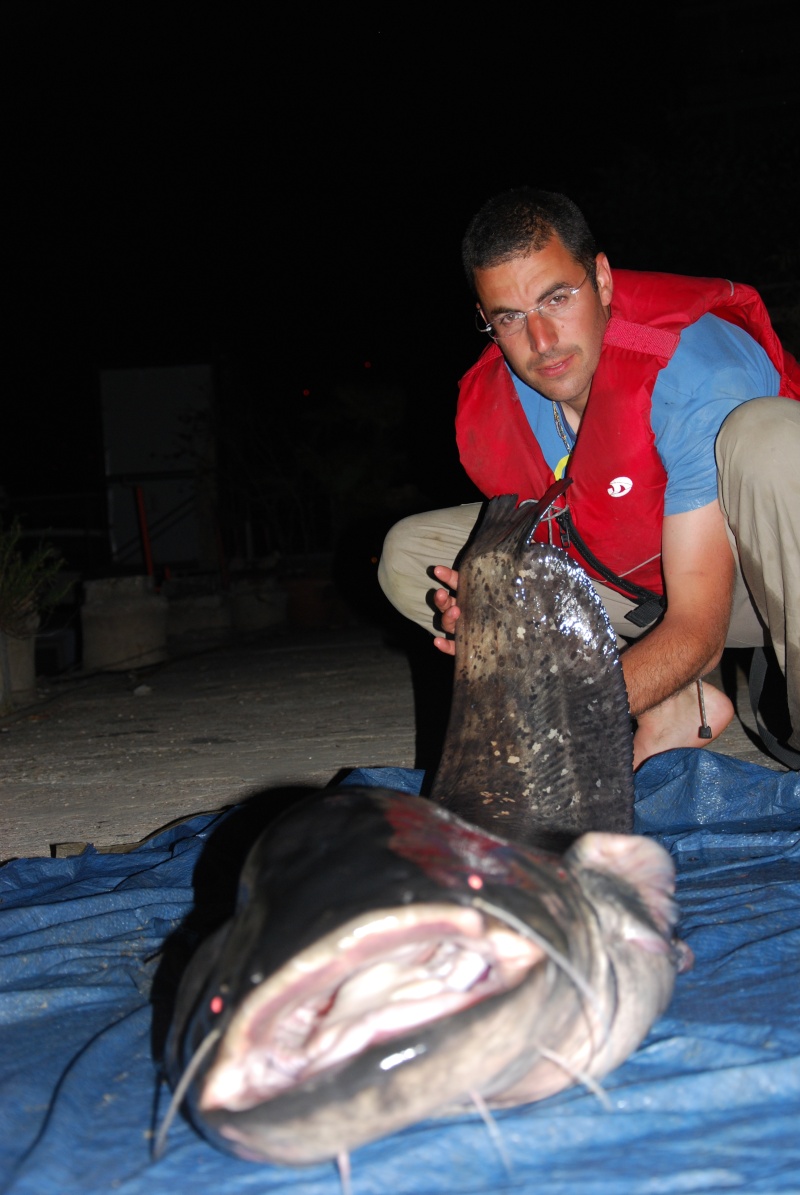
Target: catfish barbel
x,y
395,957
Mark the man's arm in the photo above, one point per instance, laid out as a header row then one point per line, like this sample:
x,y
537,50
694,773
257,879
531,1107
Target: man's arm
x,y
699,574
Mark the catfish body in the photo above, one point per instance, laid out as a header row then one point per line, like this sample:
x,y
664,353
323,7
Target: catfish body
x,y
395,957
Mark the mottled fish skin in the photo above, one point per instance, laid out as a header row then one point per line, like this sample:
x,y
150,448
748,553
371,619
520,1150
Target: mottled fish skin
x,y
393,957
539,745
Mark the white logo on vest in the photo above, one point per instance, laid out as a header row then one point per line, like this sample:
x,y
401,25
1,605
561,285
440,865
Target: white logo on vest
x,y
620,486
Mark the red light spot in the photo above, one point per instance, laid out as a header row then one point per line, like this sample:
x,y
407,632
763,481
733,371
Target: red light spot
x,y
217,1004
368,365
475,882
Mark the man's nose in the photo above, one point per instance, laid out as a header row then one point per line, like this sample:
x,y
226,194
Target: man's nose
x,y
542,333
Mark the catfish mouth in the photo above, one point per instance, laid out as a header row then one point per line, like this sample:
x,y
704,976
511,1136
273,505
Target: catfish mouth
x,y
361,987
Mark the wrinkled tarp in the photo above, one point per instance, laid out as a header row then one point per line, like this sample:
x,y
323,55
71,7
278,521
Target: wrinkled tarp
x,y
708,1103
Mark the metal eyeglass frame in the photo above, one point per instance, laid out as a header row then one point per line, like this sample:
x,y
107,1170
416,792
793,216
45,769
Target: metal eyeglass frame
x,y
519,318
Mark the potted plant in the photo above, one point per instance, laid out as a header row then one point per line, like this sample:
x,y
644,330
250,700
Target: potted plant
x,y
28,587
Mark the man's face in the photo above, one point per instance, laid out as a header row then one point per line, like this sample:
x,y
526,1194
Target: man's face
x,y
555,354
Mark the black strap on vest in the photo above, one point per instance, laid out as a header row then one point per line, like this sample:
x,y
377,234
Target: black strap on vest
x,y
758,673
649,605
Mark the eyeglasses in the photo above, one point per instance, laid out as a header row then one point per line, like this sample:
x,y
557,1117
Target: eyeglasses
x,y
509,323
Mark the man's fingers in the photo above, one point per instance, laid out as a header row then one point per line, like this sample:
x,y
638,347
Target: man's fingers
x,y
448,619
447,576
442,599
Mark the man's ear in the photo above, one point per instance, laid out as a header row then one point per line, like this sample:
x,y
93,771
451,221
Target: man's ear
x,y
605,283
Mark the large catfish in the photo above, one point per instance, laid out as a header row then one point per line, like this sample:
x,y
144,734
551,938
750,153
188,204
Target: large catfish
x,y
395,957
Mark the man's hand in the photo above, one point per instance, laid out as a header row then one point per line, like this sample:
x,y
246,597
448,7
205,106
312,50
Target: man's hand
x,y
445,602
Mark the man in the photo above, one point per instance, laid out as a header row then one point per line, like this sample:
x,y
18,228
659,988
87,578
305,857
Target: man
x,y
629,383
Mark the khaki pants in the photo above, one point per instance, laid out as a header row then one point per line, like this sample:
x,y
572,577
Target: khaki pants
x,y
758,466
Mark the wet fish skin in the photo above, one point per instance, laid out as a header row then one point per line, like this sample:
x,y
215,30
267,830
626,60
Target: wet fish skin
x,y
323,945
539,745
392,957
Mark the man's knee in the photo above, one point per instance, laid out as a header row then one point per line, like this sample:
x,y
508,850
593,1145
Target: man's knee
x,y
759,437
411,550
392,552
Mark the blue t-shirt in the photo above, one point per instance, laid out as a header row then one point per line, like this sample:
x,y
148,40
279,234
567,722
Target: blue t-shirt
x,y
715,367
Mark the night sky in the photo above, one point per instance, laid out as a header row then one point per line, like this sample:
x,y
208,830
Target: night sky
x,y
286,195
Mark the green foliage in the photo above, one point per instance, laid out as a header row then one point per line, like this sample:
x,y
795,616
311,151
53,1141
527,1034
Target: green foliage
x,y
28,582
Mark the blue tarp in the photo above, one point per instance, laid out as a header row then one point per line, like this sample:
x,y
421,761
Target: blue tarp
x,y
708,1103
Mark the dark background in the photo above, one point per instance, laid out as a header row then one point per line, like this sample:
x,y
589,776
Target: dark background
x,y
282,194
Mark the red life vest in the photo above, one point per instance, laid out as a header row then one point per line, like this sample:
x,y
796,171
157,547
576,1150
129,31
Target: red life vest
x,y
616,501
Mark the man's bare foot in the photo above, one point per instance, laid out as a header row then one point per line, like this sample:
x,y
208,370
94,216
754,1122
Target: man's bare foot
x,y
676,722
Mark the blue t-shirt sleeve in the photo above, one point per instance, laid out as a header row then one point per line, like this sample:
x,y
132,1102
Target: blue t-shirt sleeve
x,y
715,367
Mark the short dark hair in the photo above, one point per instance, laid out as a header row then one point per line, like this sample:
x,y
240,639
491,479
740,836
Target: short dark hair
x,y
522,221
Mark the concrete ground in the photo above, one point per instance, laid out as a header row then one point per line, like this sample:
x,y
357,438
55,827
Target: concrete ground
x,y
113,757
